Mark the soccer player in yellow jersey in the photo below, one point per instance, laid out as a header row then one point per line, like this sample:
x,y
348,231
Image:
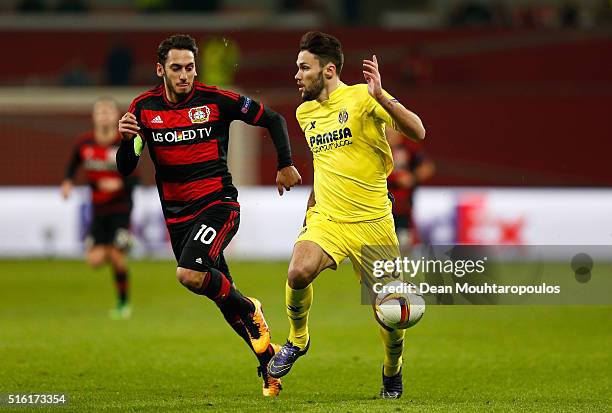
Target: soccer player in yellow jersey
x,y
349,208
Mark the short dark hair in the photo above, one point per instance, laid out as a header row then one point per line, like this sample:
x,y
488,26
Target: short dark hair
x,y
176,41
325,47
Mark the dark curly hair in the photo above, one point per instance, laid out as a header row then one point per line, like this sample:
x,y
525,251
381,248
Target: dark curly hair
x,y
325,47
176,41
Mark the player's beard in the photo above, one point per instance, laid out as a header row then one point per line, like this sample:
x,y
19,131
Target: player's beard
x,y
315,90
178,95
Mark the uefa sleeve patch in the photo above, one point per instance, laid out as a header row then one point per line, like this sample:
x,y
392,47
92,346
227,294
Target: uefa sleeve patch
x,y
246,105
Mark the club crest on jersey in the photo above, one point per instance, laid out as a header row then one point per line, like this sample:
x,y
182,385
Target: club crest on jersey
x,y
88,153
201,114
343,116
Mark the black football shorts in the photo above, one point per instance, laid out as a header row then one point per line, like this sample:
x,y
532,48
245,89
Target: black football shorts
x,y
198,243
110,229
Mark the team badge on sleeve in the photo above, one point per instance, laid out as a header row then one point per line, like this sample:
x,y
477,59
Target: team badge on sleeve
x,y
200,114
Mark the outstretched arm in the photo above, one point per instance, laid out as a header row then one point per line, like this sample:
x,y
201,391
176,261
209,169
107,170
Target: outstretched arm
x,y
407,122
287,176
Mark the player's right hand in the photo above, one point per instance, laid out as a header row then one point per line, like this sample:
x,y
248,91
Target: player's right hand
x,y
128,126
286,178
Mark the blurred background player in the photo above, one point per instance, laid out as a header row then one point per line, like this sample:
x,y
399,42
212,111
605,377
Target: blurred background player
x,y
348,208
111,198
186,126
411,167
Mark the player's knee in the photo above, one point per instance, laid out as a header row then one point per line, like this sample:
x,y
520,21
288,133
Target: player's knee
x,y
300,276
95,260
119,267
189,278
118,261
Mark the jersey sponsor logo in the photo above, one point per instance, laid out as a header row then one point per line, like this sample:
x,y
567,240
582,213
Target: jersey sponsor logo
x,y
330,140
199,114
182,135
246,105
103,160
100,165
343,116
157,119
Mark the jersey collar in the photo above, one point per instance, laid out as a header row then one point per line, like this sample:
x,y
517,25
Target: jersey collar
x,y
341,85
180,102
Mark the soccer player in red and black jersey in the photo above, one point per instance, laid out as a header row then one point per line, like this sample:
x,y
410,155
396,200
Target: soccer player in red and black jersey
x,y
111,194
411,167
186,125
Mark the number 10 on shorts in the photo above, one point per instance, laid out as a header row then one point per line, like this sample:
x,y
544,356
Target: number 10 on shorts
x,y
205,234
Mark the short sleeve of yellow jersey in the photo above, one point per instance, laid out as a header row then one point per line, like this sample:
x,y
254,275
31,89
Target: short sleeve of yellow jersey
x,y
298,117
378,112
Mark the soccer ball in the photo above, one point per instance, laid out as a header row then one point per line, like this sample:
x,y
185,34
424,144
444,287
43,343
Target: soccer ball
x,y
398,308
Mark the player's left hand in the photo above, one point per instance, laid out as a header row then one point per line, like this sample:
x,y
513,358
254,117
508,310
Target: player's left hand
x,y
286,178
372,77
405,179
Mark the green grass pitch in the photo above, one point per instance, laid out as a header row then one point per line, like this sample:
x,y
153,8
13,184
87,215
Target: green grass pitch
x,y
177,354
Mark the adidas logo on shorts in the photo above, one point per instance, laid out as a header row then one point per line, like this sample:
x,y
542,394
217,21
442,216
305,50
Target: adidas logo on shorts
x,y
199,260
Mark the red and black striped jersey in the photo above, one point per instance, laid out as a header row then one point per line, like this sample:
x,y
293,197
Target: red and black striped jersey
x,y
188,143
98,163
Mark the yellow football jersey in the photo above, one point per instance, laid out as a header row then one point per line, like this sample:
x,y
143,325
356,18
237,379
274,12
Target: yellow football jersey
x,y
352,158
